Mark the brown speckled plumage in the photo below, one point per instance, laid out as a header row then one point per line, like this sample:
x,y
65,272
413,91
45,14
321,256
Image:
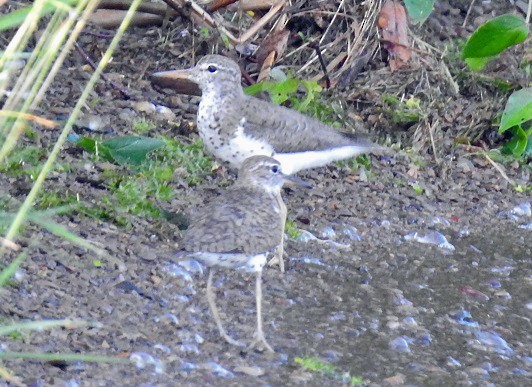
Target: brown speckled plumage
x,y
240,229
230,121
246,218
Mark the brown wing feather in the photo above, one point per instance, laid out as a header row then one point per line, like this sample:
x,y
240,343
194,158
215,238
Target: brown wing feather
x,y
295,132
243,225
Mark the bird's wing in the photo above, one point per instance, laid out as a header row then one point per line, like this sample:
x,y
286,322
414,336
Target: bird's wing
x,y
233,224
290,131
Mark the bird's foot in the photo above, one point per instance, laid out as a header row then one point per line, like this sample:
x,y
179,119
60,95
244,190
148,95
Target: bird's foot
x,y
278,259
259,342
232,341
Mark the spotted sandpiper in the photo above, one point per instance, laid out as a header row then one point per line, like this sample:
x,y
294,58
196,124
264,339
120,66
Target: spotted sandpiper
x,y
240,229
235,126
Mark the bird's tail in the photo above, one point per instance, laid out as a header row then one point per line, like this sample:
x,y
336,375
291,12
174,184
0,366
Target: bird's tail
x,y
295,162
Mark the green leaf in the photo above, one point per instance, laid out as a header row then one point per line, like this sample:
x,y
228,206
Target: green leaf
x,y
96,147
254,89
122,150
279,91
493,37
130,149
518,144
478,64
16,18
518,109
87,143
528,150
419,10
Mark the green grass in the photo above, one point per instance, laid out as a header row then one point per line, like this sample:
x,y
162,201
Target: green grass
x,y
403,112
137,190
291,229
143,126
21,160
55,198
28,160
132,189
355,163
315,365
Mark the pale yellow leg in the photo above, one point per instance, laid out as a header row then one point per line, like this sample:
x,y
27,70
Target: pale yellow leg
x,y
211,298
259,340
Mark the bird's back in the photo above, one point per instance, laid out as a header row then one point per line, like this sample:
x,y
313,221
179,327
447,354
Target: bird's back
x,y
242,219
288,130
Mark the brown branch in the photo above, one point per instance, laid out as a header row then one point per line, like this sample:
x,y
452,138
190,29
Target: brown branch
x,y
154,8
190,9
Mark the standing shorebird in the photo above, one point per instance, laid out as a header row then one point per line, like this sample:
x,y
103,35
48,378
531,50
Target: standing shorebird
x,y
235,126
240,229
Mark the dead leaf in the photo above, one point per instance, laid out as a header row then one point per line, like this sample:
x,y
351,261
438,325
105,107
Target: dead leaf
x,y
274,42
393,22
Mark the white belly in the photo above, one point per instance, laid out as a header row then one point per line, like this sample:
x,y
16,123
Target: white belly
x,y
235,149
248,263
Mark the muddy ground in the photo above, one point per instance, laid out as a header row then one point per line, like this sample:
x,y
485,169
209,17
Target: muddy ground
x,y
366,298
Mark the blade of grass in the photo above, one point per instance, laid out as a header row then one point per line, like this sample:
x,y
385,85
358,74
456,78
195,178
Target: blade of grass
x,y
26,116
12,267
42,219
46,324
89,9
22,35
63,357
17,17
26,206
10,378
64,233
39,66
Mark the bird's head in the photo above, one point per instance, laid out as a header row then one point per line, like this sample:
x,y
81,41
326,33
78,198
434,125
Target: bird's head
x,y
265,172
210,71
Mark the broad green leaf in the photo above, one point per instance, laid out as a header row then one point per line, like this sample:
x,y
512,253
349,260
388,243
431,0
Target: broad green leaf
x,y
493,37
518,144
419,10
478,64
95,147
518,109
122,150
16,18
87,143
131,149
528,150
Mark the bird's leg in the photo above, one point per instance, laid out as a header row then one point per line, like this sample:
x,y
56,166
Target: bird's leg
x,y
211,298
279,252
259,340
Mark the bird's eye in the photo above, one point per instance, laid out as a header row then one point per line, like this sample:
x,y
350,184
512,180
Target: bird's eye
x,y
275,169
212,69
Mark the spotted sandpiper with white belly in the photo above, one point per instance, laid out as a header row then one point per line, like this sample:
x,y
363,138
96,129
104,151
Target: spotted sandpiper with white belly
x,y
235,126
241,229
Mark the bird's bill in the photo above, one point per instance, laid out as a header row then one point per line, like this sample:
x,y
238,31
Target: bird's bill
x,y
179,80
294,180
